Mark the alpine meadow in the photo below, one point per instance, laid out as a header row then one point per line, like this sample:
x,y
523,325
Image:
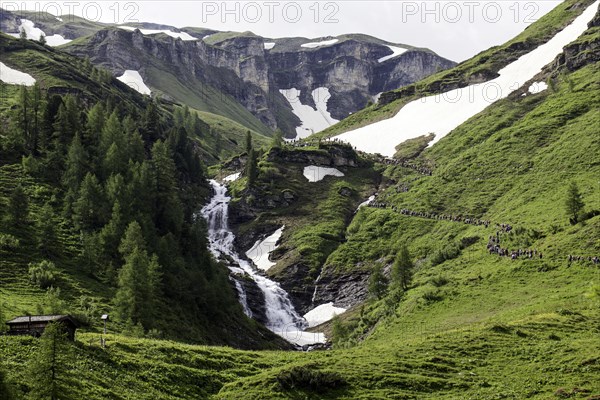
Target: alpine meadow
x,y
201,213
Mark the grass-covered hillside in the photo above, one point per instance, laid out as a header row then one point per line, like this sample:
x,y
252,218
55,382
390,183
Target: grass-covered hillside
x,y
449,318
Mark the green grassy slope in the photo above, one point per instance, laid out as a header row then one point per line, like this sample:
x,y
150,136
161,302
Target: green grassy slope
x,y
472,325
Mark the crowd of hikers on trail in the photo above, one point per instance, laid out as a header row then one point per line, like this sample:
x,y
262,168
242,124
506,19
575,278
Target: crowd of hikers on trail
x,y
440,217
403,163
493,245
583,259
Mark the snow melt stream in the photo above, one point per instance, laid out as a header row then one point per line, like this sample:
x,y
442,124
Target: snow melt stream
x,y
440,114
282,318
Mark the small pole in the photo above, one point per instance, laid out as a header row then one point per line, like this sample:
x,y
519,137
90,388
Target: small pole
x,y
103,339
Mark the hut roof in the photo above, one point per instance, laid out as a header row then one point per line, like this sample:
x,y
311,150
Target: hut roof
x,y
43,318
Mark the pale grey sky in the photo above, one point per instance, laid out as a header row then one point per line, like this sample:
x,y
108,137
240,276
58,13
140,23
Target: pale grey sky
x,y
454,29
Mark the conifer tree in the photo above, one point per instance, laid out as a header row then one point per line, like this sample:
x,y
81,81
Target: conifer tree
x,y
36,106
112,132
139,279
151,122
46,231
89,208
24,121
47,366
76,165
112,232
43,39
169,213
248,142
574,203
377,282
96,118
402,269
18,206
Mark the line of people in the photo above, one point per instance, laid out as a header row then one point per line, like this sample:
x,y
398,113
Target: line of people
x,y
583,259
494,247
405,164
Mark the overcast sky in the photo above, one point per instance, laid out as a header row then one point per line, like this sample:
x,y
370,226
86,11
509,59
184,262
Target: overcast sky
x,y
454,29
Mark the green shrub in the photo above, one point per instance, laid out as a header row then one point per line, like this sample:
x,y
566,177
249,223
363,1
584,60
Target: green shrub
x,y
8,242
439,281
42,274
432,295
310,378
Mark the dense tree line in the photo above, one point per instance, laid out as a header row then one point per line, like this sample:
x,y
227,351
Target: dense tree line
x,y
130,183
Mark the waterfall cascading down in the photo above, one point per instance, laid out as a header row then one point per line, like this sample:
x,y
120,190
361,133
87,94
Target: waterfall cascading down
x,y
280,313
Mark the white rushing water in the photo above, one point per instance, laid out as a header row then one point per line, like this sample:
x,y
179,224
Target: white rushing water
x,y
282,318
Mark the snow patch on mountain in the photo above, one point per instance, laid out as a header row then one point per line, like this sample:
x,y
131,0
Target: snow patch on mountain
x,y
315,174
537,87
262,249
13,77
313,121
269,45
232,177
396,51
440,114
134,80
34,33
177,35
314,45
321,314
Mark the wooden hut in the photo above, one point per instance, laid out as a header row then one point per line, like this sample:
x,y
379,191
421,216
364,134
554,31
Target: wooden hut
x,y
36,324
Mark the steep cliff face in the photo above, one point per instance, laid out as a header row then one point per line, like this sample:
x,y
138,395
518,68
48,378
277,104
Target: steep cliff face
x,y
351,70
221,72
244,69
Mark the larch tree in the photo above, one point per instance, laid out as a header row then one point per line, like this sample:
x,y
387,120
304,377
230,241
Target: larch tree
x,y
402,269
139,279
574,203
47,366
18,205
378,283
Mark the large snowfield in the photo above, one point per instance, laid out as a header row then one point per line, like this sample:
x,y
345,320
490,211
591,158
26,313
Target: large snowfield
x,y
14,77
134,80
313,121
441,114
177,35
34,33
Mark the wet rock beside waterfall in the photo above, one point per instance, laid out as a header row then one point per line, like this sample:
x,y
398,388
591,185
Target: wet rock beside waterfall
x,y
255,298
